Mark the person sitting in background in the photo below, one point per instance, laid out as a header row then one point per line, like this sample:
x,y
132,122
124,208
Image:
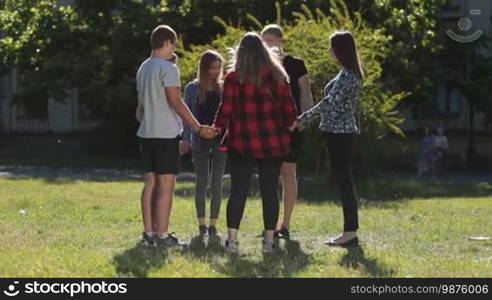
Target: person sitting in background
x,y
427,152
441,144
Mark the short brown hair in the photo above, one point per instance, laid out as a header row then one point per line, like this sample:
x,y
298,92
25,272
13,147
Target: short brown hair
x,y
274,30
161,34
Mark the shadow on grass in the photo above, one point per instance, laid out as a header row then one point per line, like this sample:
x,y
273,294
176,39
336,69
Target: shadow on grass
x,y
372,191
355,259
285,262
65,176
69,180
380,192
203,248
139,260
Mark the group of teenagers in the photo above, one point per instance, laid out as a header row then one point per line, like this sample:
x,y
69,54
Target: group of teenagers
x,y
254,115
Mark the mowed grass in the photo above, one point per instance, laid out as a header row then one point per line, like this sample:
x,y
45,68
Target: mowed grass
x,y
64,228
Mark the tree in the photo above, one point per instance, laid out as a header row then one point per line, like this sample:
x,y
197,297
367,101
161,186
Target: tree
x,y
97,47
416,43
94,46
472,76
307,36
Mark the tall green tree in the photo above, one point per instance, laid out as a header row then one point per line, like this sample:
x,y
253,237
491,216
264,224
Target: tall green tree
x,y
307,36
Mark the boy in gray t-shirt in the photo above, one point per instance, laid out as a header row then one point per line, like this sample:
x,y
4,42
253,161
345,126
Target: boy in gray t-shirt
x,y
161,121
160,112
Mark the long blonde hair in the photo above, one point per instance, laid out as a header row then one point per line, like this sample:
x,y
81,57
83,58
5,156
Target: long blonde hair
x,y
252,55
204,81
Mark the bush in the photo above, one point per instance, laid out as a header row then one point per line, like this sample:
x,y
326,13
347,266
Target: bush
x,y
307,36
116,136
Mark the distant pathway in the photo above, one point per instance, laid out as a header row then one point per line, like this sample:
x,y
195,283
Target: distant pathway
x,y
96,174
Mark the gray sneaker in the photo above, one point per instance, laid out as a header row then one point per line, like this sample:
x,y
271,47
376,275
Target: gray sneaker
x,y
212,232
268,246
232,247
148,240
169,241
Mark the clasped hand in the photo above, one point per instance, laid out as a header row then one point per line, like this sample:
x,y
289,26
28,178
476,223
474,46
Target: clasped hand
x,y
296,126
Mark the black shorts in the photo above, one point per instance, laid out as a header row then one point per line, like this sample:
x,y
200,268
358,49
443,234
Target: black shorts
x,y
296,141
160,156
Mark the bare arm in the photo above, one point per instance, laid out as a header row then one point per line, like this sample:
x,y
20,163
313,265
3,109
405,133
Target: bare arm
x,y
306,95
139,113
176,102
187,129
334,96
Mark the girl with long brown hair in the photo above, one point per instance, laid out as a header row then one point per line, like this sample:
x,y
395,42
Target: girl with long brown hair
x,y
203,96
338,114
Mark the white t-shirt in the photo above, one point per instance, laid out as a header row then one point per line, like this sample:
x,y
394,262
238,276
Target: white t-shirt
x,y
160,120
441,142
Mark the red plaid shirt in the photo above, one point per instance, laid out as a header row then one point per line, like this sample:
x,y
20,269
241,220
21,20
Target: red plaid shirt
x,y
257,119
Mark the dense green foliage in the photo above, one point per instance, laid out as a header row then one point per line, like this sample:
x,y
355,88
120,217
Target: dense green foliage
x,y
97,46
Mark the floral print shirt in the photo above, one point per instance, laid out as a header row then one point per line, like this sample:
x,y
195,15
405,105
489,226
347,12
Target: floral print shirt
x,y
337,111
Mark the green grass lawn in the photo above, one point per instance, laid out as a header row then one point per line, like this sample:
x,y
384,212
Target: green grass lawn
x,y
64,228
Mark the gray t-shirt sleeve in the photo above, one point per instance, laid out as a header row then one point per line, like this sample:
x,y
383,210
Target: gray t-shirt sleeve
x,y
170,76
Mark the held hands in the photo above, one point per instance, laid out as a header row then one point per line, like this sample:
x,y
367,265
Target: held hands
x,y
207,132
184,147
203,131
296,125
218,129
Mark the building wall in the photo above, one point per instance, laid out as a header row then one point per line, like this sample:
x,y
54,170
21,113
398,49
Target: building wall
x,y
8,112
449,17
64,117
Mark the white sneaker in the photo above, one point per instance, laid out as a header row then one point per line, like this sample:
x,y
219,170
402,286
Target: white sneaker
x,y
232,247
345,239
267,246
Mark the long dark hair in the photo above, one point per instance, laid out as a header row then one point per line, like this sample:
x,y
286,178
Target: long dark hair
x,y
204,81
343,45
251,56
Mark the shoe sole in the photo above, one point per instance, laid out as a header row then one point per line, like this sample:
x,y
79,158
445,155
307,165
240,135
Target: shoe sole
x,y
352,242
146,244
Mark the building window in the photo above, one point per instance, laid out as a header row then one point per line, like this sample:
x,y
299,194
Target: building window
x,y
3,86
447,101
33,109
453,5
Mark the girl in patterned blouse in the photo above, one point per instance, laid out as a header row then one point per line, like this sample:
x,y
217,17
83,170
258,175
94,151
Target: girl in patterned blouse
x,y
337,113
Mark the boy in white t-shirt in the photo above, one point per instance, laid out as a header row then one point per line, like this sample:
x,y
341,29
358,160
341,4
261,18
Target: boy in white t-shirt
x,y
160,112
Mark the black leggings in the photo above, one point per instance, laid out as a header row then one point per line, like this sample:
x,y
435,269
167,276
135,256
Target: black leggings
x,y
241,168
340,153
